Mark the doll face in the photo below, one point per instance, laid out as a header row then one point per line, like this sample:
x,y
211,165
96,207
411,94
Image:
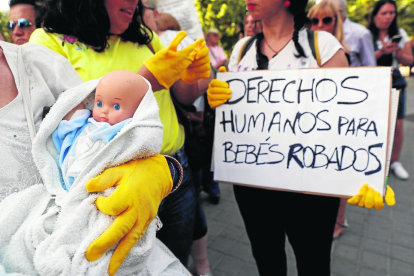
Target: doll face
x,y
118,96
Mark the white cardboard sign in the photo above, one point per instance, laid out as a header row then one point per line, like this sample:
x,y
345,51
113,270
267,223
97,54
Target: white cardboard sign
x,y
321,131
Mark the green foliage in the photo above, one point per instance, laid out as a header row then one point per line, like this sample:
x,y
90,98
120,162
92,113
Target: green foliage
x,y
227,16
3,20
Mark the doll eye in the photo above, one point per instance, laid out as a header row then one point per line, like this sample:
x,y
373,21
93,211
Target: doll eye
x,y
117,107
99,104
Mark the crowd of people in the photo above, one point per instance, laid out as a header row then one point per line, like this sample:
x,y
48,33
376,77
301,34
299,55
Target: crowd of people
x,y
124,57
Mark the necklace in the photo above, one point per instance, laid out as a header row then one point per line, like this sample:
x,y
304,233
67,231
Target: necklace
x,y
276,52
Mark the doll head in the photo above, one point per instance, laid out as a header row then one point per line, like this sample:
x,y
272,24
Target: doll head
x,y
118,96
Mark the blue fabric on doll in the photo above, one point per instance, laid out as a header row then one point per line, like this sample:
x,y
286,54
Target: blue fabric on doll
x,y
78,140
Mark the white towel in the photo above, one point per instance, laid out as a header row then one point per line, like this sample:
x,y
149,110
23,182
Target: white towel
x,y
48,229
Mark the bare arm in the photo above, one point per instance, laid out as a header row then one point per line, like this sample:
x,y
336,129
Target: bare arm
x,y
387,48
337,60
156,86
8,89
188,93
405,55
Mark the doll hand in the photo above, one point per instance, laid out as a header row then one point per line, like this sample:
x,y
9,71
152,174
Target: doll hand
x,y
141,186
368,198
169,65
218,91
200,68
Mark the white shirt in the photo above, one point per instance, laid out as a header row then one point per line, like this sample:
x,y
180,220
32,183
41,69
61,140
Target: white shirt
x,y
49,75
359,40
328,46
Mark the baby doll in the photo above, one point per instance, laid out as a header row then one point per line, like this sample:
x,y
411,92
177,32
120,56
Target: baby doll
x,y
79,136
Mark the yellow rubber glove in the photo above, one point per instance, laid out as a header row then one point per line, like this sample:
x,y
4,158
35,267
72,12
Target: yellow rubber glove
x,y
369,198
218,91
169,65
200,68
141,186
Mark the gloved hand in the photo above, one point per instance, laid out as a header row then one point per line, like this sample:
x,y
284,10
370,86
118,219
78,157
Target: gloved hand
x,y
141,186
200,68
169,65
218,91
368,198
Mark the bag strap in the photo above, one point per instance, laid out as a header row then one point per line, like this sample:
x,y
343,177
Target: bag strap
x,y
246,46
24,90
212,53
313,43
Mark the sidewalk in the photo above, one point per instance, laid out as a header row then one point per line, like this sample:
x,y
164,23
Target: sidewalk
x,y
376,243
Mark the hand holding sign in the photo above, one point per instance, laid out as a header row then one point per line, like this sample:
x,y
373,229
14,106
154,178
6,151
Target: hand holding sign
x,y
369,198
218,91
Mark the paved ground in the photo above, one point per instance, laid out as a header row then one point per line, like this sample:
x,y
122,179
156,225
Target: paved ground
x,y
376,243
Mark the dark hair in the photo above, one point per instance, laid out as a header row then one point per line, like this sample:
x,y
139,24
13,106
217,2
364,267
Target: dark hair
x,y
16,2
298,9
36,6
392,30
89,22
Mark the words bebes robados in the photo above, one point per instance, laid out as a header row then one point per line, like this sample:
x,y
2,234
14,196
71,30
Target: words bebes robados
x,y
279,93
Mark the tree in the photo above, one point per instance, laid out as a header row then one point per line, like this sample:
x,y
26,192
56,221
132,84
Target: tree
x,y
227,16
4,18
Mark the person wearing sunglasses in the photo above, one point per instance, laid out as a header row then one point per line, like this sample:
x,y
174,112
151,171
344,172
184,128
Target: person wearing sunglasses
x,y
22,20
150,14
325,17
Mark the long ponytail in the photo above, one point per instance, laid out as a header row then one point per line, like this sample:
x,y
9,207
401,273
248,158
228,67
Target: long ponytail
x,y
298,9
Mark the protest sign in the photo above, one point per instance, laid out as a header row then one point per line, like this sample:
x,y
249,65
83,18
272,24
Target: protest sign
x,y
186,14
323,131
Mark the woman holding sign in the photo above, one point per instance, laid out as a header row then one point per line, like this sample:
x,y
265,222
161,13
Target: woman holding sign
x,y
307,220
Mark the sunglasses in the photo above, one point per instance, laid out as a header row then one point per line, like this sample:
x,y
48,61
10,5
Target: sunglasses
x,y
22,23
326,20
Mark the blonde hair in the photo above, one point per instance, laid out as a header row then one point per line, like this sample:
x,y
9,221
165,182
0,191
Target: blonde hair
x,y
167,22
328,8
